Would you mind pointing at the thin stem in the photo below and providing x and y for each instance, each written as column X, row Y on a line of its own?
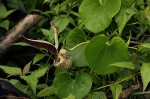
column 141, row 93
column 115, row 82
column 47, row 62
column 135, row 42
column 133, row 48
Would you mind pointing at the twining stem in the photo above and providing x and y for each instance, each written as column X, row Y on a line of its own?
column 56, row 29
column 131, row 76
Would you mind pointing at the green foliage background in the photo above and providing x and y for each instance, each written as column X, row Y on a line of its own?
column 108, row 41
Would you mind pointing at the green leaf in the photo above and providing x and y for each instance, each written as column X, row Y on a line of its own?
column 26, row 68
column 45, row 32
column 61, row 21
column 147, row 13
column 145, row 45
column 19, row 85
column 39, row 73
column 144, row 48
column 7, row 14
column 11, row 70
column 75, row 37
column 100, row 53
column 145, row 74
column 77, row 55
column 79, row 87
column 16, row 4
column 128, row 65
column 32, row 82
column 116, row 90
column 3, row 10
column 46, row 91
column 97, row 95
column 124, row 16
column 97, row 17
column 38, row 57
column 5, row 24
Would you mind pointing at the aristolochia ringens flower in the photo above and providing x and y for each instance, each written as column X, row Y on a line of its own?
column 62, row 58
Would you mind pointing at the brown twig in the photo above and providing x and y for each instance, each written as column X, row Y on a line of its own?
column 129, row 91
column 21, row 28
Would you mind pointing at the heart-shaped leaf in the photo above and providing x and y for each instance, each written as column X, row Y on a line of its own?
column 77, row 55
column 79, row 87
column 97, row 14
column 75, row 37
column 100, row 53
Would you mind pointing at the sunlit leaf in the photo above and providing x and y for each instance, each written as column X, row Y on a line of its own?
column 46, row 91
column 39, row 73
column 116, row 90
column 38, row 57
column 19, row 85
column 129, row 65
column 145, row 74
column 32, row 81
column 11, row 70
